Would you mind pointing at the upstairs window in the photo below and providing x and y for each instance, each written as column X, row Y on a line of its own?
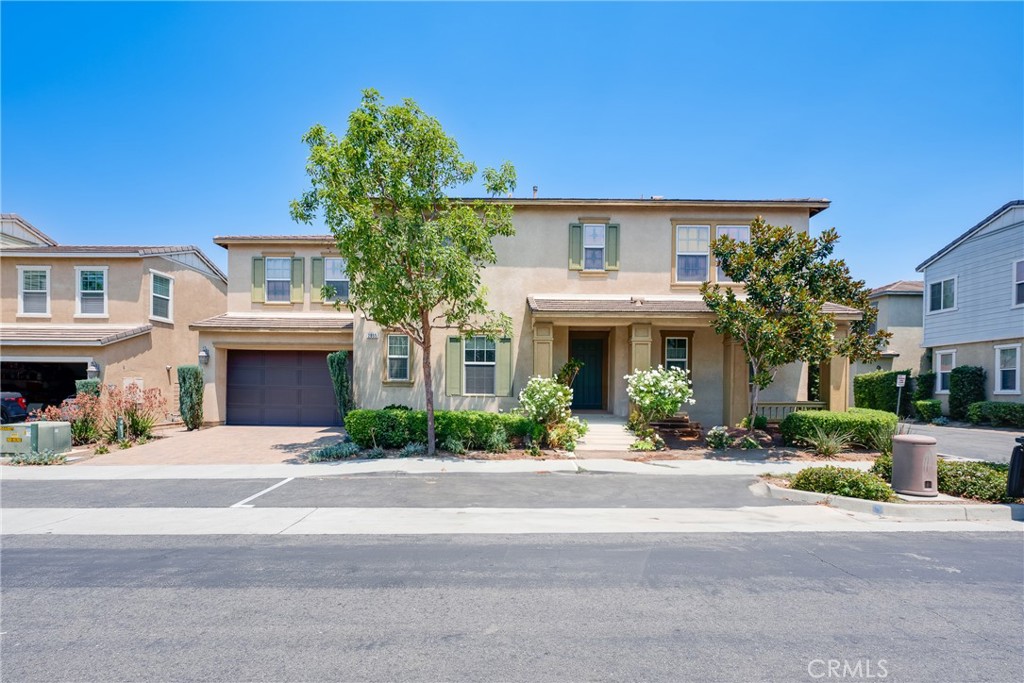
column 481, row 357
column 398, row 358
column 34, row 295
column 160, row 301
column 593, row 246
column 336, row 276
column 692, row 252
column 740, row 233
column 1018, row 283
column 676, row 353
column 279, row 279
column 91, row 295
column 942, row 295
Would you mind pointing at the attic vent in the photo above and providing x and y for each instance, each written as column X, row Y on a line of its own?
column 637, row 300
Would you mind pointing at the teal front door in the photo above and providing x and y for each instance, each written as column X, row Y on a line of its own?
column 587, row 393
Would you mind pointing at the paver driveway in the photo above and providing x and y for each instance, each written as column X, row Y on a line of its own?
column 224, row 445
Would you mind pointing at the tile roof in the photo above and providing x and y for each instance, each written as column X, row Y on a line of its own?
column 226, row 239
column 275, row 323
column 101, row 250
column 899, row 287
column 815, row 205
column 68, row 335
column 639, row 304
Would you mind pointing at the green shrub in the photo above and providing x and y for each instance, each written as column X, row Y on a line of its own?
column 882, row 467
column 566, row 434
column 375, row 453
column 861, row 423
column 928, row 409
column 497, row 441
column 336, row 451
column 996, row 413
column 190, row 395
column 924, row 386
column 659, row 393
column 395, row 427
column 643, row 445
column 412, row 450
column 88, row 386
column 826, row 442
column 977, row 480
column 878, row 391
column 337, row 364
column 39, row 458
column 760, row 422
column 453, row 444
column 718, row 438
column 966, row 386
column 842, row 481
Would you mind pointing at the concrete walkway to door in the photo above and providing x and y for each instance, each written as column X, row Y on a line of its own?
column 606, row 433
column 223, row 445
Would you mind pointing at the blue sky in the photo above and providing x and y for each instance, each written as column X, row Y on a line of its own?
column 170, row 123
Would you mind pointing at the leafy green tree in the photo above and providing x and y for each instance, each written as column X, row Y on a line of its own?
column 414, row 255
column 788, row 277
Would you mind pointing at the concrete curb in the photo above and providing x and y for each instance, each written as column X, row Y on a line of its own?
column 944, row 512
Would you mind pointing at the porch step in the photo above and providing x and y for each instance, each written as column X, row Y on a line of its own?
column 605, row 433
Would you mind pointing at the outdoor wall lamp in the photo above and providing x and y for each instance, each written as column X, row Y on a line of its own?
column 92, row 371
column 204, row 356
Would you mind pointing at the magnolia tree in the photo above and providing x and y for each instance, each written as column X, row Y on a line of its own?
column 659, row 393
column 778, row 315
column 413, row 255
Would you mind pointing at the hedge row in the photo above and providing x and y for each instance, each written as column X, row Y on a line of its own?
column 928, row 410
column 965, row 478
column 394, row 428
column 842, row 481
column 996, row 413
column 863, row 424
column 878, row 390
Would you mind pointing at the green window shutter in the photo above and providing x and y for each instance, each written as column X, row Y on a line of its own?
column 298, row 279
column 611, row 246
column 503, row 368
column 453, row 366
column 259, row 279
column 575, row 246
column 317, row 283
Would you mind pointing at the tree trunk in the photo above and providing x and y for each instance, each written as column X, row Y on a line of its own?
column 754, row 391
column 428, row 383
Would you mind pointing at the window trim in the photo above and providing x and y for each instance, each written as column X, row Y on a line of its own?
column 406, row 381
column 603, row 247
column 1014, row 282
column 998, row 375
column 267, row 279
column 956, row 296
column 493, row 365
column 347, row 279
column 939, row 391
column 665, row 357
column 21, row 291
column 676, row 253
column 153, row 274
column 78, row 291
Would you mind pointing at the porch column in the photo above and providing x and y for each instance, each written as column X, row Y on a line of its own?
column 543, row 348
column 639, row 346
column 735, row 383
column 835, row 379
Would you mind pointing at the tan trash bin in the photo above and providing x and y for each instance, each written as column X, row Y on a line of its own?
column 914, row 465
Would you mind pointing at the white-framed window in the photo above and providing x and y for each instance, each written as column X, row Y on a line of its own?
column 480, row 360
column 677, row 353
column 1018, row 283
column 34, row 291
column 398, row 358
column 279, row 279
column 692, row 252
column 873, row 327
column 945, row 361
column 593, row 246
column 161, row 296
column 1007, row 369
column 336, row 276
column 740, row 233
column 91, row 291
column 942, row 295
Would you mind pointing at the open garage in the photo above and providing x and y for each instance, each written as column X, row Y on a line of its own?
column 41, row 383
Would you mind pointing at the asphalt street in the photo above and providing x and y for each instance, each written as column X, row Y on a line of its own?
column 993, row 445
column 728, row 607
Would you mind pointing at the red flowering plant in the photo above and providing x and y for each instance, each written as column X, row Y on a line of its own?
column 139, row 409
column 84, row 412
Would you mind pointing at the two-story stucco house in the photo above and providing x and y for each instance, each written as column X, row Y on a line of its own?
column 974, row 304
column 119, row 313
column 899, row 313
column 611, row 282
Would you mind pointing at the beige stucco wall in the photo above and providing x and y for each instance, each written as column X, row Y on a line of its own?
column 901, row 315
column 983, row 354
column 535, row 261
column 195, row 296
column 240, row 275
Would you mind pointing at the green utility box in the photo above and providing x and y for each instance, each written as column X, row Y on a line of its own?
column 35, row 437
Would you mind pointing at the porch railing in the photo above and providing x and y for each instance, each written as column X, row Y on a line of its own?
column 776, row 412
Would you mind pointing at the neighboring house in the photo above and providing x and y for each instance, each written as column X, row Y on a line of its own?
column 612, row 282
column 974, row 304
column 900, row 313
column 118, row 313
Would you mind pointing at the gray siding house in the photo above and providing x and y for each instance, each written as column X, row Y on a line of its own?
column 974, row 304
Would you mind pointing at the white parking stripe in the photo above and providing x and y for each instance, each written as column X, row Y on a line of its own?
column 242, row 503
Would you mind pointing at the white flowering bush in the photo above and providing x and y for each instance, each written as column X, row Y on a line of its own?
column 546, row 401
column 658, row 393
column 718, row 438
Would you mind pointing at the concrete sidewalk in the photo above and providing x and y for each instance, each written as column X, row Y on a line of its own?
column 414, row 466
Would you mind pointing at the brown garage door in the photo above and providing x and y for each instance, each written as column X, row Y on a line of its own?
column 280, row 388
